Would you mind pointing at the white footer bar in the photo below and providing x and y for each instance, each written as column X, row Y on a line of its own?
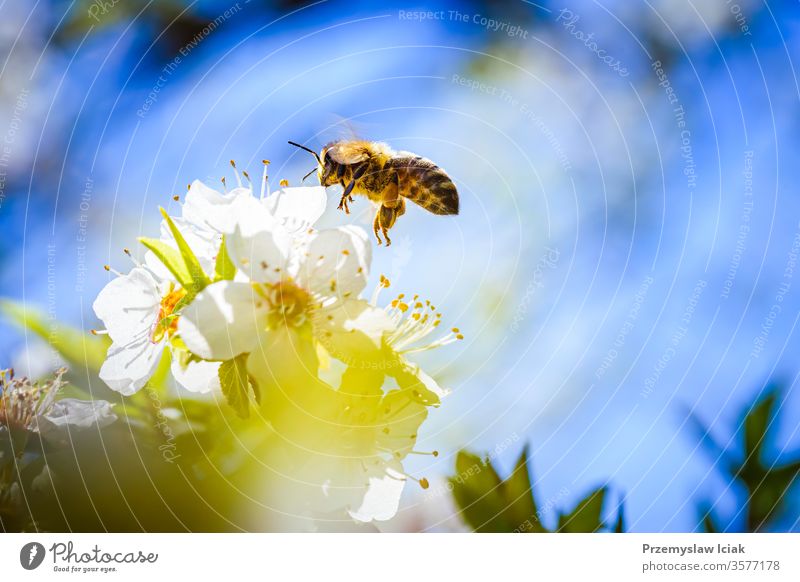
column 407, row 557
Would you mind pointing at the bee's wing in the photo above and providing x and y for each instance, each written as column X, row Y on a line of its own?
column 339, row 128
column 348, row 153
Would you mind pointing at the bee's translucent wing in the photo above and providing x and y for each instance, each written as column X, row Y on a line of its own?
column 348, row 152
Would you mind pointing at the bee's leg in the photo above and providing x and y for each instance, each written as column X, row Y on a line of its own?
column 392, row 206
column 346, row 195
column 387, row 216
column 343, row 203
column 376, row 225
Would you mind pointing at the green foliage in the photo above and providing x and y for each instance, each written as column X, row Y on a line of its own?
column 236, row 384
column 171, row 258
column 765, row 481
column 182, row 263
column 224, row 269
column 490, row 504
column 78, row 348
column 587, row 515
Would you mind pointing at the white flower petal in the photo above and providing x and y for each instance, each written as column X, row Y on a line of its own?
column 199, row 377
column 382, row 497
column 431, row 384
column 297, row 208
column 223, row 321
column 204, row 242
column 337, row 264
column 352, row 330
column 251, row 216
column 207, row 208
column 71, row 412
column 261, row 254
column 410, row 377
column 157, row 267
column 129, row 366
column 129, row 305
column 283, row 359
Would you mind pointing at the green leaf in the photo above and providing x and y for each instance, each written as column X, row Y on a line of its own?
column 587, row 516
column 224, row 269
column 79, row 349
column 477, row 491
column 489, row 504
column 708, row 522
column 767, row 481
column 189, row 258
column 236, row 384
column 519, row 494
column 171, row 259
column 199, row 280
column 756, row 423
column 619, row 527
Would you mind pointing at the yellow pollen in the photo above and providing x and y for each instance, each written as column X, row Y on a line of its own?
column 165, row 323
column 459, row 337
column 289, row 305
column 345, row 252
column 424, row 483
column 284, row 182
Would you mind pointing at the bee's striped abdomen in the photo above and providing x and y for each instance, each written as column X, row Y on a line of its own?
column 426, row 184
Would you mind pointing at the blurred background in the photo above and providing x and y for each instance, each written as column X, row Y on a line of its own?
column 624, row 267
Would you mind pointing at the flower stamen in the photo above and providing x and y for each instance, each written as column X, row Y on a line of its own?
column 265, row 181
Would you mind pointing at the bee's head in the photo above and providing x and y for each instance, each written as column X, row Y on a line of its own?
column 325, row 171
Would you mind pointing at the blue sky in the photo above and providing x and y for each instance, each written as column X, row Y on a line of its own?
column 575, row 162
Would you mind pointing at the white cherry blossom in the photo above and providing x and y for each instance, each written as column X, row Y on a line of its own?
column 138, row 310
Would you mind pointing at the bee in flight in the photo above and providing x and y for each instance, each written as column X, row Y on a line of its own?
column 386, row 177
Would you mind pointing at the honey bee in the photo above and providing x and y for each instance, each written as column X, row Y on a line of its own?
column 386, row 177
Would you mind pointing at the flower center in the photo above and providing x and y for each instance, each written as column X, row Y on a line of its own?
column 288, row 304
column 22, row 401
column 167, row 321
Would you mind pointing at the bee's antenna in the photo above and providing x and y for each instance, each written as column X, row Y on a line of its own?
column 312, row 152
column 307, row 175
